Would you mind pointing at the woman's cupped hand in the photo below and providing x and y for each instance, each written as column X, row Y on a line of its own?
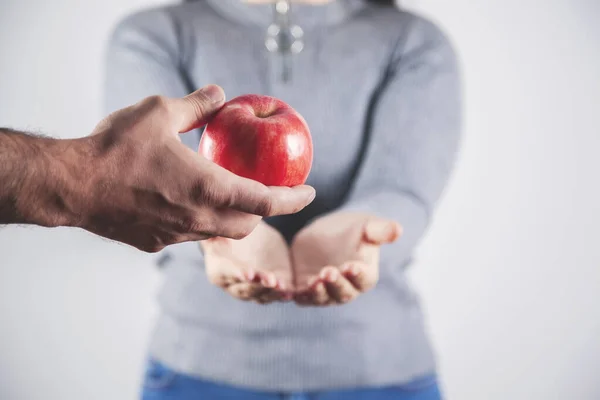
column 333, row 260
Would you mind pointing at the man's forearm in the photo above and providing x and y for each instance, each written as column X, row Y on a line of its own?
column 37, row 177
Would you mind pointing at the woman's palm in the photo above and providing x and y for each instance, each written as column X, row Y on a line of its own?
column 255, row 268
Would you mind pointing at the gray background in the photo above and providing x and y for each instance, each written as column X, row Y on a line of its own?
column 510, row 270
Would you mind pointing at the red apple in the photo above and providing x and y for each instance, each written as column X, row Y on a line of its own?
column 261, row 138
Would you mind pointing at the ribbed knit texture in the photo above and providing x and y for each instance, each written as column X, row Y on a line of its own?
column 380, row 91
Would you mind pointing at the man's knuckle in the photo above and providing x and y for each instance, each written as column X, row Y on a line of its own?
column 253, row 198
column 156, row 101
column 264, row 206
column 206, row 190
column 160, row 106
column 224, row 191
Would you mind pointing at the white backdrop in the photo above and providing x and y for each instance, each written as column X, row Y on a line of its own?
column 509, row 273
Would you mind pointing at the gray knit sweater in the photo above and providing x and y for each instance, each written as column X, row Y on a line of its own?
column 380, row 91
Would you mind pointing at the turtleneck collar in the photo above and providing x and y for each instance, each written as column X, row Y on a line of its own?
column 305, row 15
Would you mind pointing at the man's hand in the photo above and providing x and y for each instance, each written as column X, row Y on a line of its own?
column 336, row 258
column 134, row 181
column 256, row 268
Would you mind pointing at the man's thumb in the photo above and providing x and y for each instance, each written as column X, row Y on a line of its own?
column 197, row 108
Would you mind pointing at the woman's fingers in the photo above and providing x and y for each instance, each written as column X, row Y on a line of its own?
column 242, row 291
column 261, row 287
column 319, row 295
column 271, row 288
column 268, row 279
column 316, row 295
column 338, row 287
column 359, row 275
column 304, row 297
column 331, row 286
column 225, row 276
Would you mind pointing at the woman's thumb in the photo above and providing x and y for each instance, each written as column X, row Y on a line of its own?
column 380, row 231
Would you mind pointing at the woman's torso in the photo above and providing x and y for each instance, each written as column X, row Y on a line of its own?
column 333, row 82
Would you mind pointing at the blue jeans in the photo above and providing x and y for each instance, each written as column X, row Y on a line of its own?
column 162, row 383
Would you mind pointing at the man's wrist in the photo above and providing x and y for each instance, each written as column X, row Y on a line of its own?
column 41, row 180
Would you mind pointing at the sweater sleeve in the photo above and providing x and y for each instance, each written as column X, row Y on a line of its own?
column 414, row 133
column 143, row 59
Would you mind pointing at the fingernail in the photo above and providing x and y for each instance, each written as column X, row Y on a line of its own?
column 312, row 196
column 214, row 93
